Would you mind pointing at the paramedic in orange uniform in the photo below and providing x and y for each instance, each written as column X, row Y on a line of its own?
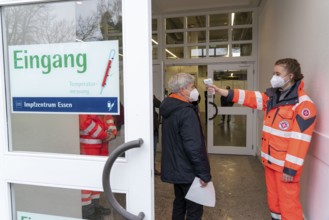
column 95, row 133
column 289, row 121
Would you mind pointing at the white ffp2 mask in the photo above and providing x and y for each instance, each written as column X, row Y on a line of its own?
column 194, row 95
column 277, row 81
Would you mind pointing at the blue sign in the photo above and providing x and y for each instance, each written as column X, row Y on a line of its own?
column 65, row 77
column 66, row 104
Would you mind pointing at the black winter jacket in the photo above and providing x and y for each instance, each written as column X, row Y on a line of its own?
column 184, row 154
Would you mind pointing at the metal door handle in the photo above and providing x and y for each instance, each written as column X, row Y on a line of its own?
column 106, row 179
column 216, row 110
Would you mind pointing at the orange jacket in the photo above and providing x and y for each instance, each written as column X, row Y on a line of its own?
column 288, row 125
column 93, row 131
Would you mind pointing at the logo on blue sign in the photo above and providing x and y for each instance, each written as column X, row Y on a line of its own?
column 110, row 105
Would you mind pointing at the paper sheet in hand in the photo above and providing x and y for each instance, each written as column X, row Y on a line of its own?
column 202, row 195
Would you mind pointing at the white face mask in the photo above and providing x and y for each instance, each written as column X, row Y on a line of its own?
column 278, row 81
column 194, row 95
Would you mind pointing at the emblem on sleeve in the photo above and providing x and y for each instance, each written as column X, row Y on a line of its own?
column 306, row 113
column 284, row 125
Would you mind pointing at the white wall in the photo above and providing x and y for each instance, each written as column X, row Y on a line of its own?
column 300, row 29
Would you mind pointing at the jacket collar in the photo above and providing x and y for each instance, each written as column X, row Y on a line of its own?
column 291, row 97
column 176, row 96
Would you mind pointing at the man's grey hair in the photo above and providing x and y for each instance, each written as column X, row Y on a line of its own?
column 180, row 80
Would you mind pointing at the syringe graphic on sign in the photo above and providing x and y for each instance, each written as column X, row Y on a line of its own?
column 108, row 68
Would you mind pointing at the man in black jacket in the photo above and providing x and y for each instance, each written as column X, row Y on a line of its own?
column 156, row 125
column 184, row 154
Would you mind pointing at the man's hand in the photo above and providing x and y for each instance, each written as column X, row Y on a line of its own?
column 203, row 184
column 109, row 136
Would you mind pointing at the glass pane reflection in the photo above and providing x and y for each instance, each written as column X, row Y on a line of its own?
column 45, row 24
column 196, row 21
column 239, row 34
column 197, row 52
column 218, row 50
column 155, row 53
column 175, row 52
column 241, row 18
column 218, row 35
column 231, row 131
column 154, row 24
column 175, row 38
column 49, row 202
column 218, row 20
column 240, row 50
column 174, row 23
column 196, row 37
column 155, row 39
column 234, row 77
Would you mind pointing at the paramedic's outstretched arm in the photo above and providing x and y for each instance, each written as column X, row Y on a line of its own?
column 222, row 92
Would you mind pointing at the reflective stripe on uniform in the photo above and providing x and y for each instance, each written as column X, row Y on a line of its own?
column 294, row 159
column 259, row 100
column 272, row 159
column 95, row 196
column 287, row 134
column 86, row 197
column 97, row 132
column 301, row 136
column 86, row 202
column 275, row 216
column 90, row 141
column 302, row 99
column 242, row 96
column 85, row 194
column 88, row 129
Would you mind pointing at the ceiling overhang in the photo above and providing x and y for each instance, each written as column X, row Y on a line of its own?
column 169, row 6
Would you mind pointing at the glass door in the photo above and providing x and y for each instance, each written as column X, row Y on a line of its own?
column 62, row 60
column 229, row 125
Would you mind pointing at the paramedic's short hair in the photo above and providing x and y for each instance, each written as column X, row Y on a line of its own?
column 180, row 80
column 292, row 66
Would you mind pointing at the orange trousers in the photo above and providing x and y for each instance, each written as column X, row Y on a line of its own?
column 282, row 197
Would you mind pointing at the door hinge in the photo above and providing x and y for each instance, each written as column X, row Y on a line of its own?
column 252, row 146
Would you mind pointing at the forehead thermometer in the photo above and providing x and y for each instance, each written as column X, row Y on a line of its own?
column 208, row 81
column 107, row 70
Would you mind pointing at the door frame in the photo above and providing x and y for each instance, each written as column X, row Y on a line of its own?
column 134, row 173
column 234, row 110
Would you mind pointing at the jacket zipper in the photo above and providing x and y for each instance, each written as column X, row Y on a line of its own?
column 269, row 148
column 277, row 110
column 269, row 153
